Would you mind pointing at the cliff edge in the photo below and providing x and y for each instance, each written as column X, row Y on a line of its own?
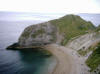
column 55, row 31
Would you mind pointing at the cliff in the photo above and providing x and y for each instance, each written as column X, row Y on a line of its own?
column 55, row 31
column 71, row 26
column 72, row 30
column 39, row 34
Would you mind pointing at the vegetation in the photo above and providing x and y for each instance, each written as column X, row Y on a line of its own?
column 94, row 59
column 39, row 32
column 25, row 34
column 71, row 26
column 84, row 52
column 28, row 30
column 97, row 29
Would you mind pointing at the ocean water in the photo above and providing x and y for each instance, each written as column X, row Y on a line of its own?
column 94, row 18
column 20, row 62
column 27, row 62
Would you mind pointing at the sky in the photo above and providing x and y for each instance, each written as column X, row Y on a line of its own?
column 51, row 6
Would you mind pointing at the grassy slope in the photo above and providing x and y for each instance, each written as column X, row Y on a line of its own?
column 71, row 26
column 94, row 59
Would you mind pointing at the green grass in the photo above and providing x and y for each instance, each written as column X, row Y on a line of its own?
column 94, row 59
column 97, row 29
column 71, row 26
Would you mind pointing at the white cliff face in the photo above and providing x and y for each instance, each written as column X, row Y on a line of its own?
column 39, row 34
column 55, row 31
column 84, row 41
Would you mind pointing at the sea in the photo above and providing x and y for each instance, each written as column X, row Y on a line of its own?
column 12, row 25
column 15, row 61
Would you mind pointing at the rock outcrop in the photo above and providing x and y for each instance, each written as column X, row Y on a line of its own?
column 37, row 35
column 83, row 41
column 54, row 31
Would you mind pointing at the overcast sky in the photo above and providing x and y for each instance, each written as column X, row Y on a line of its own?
column 51, row 6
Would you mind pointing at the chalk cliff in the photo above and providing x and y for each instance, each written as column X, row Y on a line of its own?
column 39, row 34
column 55, row 31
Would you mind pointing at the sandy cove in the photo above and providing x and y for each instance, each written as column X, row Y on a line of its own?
column 68, row 61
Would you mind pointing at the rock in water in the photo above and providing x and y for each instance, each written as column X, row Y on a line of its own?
column 37, row 35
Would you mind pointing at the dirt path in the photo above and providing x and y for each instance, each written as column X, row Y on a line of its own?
column 66, row 63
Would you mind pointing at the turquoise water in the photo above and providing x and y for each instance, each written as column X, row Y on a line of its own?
column 20, row 62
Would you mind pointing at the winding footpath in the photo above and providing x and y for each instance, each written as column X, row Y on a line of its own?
column 67, row 60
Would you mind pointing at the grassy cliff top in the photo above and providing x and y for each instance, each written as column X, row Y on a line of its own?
column 71, row 26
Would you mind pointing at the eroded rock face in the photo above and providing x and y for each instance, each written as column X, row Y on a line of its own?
column 58, row 31
column 39, row 34
column 83, row 41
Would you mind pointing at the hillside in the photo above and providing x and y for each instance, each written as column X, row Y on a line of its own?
column 81, row 34
column 62, row 29
column 94, row 59
column 94, row 18
column 71, row 26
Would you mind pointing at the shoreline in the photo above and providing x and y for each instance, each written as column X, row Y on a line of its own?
column 68, row 60
column 49, row 66
column 64, row 64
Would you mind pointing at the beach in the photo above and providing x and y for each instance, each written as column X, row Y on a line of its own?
column 67, row 61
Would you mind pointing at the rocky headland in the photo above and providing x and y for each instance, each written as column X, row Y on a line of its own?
column 65, row 38
column 58, row 31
